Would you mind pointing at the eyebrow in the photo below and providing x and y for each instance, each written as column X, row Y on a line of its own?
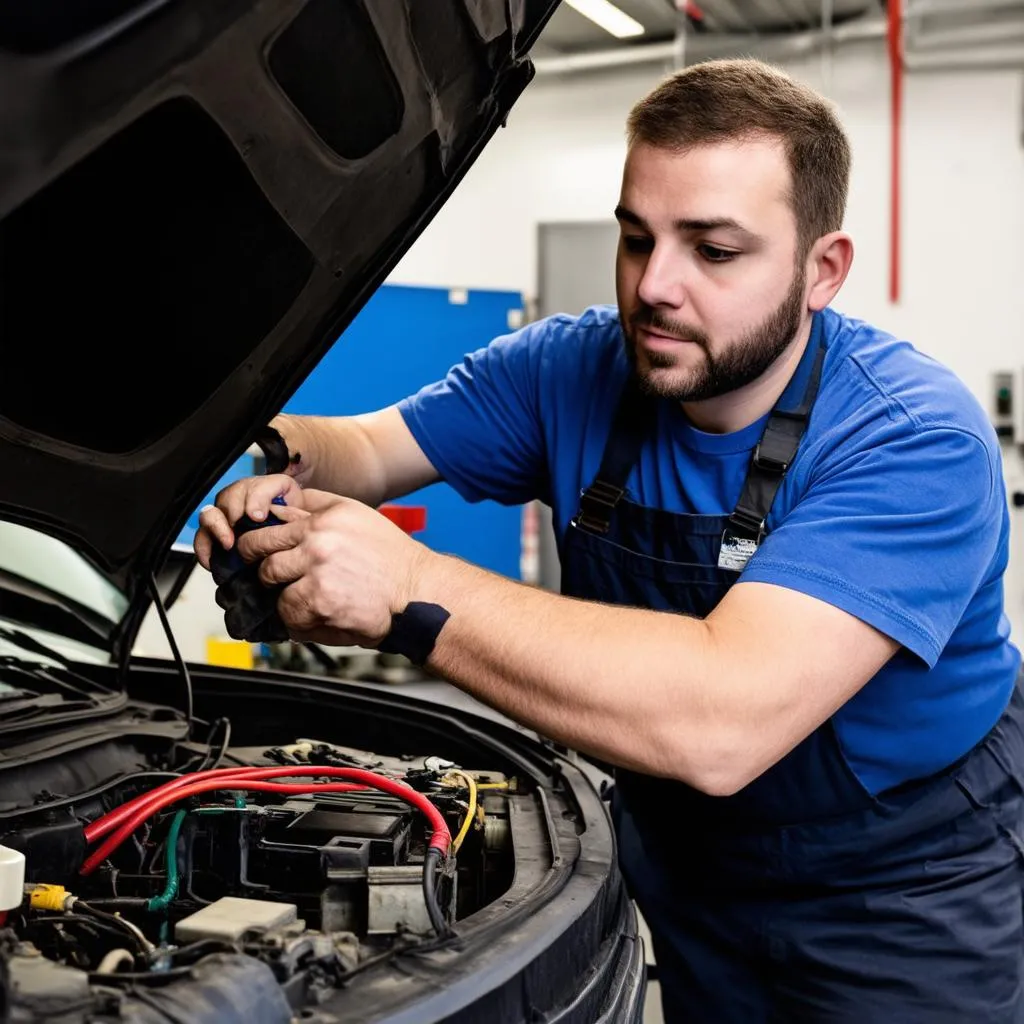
column 692, row 224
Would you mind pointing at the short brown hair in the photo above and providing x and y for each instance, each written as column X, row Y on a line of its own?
column 724, row 100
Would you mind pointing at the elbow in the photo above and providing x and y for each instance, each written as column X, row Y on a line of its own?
column 717, row 764
column 721, row 783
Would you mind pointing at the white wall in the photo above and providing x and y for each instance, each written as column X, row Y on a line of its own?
column 560, row 157
column 194, row 617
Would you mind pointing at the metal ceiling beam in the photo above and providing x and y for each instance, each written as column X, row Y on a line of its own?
column 827, row 27
column 962, row 38
column 974, row 49
column 996, row 58
column 725, row 12
column 706, row 45
column 799, row 19
column 921, row 8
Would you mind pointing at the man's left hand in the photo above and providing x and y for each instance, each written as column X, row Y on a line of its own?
column 346, row 570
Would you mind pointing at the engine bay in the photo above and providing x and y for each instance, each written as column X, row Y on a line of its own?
column 266, row 874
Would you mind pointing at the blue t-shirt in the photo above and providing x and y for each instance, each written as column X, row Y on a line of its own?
column 894, row 508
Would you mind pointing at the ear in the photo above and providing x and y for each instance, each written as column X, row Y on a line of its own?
column 828, row 263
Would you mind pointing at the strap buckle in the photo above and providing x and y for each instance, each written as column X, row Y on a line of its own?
column 748, row 525
column 768, row 462
column 597, row 503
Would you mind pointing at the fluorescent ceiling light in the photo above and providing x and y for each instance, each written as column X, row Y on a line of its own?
column 609, row 17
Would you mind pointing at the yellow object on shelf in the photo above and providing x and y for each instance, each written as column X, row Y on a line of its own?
column 228, row 653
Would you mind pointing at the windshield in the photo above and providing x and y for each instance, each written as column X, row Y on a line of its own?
column 53, row 566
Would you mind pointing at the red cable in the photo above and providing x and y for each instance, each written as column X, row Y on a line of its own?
column 440, row 839
column 105, row 824
column 205, row 786
column 101, row 826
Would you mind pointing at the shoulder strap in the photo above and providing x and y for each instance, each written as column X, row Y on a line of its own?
column 772, row 457
column 632, row 423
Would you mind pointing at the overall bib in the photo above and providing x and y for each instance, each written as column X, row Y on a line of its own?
column 802, row 898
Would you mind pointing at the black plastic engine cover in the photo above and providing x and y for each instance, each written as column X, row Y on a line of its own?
column 225, row 988
column 53, row 851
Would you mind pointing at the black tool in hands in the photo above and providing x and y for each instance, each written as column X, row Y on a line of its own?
column 250, row 607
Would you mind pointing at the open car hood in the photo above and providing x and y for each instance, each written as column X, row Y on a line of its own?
column 195, row 200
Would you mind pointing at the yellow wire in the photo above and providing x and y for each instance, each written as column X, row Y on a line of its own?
column 492, row 785
column 470, row 784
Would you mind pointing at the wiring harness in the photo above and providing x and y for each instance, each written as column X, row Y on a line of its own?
column 114, row 828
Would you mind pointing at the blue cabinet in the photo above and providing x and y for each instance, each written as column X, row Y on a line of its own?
column 406, row 337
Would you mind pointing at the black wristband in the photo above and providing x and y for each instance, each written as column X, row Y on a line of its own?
column 414, row 631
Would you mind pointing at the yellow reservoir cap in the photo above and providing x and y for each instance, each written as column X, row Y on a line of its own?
column 48, row 897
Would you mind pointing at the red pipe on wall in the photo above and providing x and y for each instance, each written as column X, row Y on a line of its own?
column 895, row 40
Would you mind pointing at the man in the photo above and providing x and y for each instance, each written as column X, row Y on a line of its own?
column 782, row 582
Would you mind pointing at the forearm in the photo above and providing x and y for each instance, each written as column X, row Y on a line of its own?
column 712, row 702
column 626, row 685
column 372, row 457
column 334, row 454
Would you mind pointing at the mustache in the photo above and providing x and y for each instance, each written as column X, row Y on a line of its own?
column 652, row 320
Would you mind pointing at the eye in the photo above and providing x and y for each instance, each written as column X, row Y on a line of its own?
column 637, row 243
column 713, row 254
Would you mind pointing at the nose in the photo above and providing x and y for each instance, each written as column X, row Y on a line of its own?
column 661, row 283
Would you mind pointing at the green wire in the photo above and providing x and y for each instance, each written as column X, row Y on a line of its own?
column 162, row 901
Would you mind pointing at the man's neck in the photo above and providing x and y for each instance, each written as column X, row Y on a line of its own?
column 738, row 409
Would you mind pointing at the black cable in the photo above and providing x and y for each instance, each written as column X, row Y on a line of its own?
column 164, row 976
column 113, row 919
column 96, row 925
column 401, row 945
column 179, row 661
column 321, row 656
column 134, row 902
column 430, row 864
column 133, row 977
column 195, row 951
column 226, row 723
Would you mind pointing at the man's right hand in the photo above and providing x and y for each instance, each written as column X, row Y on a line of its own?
column 252, row 496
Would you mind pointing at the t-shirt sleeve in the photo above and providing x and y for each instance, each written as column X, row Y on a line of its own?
column 900, row 533
column 480, row 426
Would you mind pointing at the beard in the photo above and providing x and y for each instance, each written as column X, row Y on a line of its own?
column 740, row 362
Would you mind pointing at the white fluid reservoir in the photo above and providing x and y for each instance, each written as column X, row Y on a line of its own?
column 12, row 878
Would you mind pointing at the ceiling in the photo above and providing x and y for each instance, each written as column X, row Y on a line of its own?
column 569, row 32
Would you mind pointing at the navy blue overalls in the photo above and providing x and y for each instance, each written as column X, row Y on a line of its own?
column 803, row 898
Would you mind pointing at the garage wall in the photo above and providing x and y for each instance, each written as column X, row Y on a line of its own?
column 560, row 157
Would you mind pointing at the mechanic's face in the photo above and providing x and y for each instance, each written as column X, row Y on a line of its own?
column 706, row 277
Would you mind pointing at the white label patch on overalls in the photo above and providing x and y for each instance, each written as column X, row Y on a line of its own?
column 736, row 552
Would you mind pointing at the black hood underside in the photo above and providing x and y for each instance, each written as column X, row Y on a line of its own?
column 196, row 198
